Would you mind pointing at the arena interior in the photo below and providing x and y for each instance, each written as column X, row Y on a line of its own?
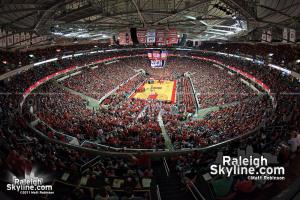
column 140, row 99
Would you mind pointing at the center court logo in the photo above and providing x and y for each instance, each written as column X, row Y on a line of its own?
column 254, row 166
column 31, row 185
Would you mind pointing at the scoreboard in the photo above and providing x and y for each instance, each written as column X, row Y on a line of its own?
column 158, row 58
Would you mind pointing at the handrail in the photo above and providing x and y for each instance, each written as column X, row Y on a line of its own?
column 158, row 193
column 194, row 94
column 166, row 166
column 198, row 192
column 71, row 138
column 118, row 149
column 195, row 197
column 153, row 153
column 87, row 163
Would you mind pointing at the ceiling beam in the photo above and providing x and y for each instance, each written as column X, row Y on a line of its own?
column 148, row 12
column 181, row 11
column 244, row 12
column 127, row 13
column 197, row 20
column 274, row 11
column 4, row 12
column 178, row 4
column 139, row 13
column 49, row 11
column 19, row 18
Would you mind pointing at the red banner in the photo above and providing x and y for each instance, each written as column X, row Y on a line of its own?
column 141, row 36
column 172, row 36
column 160, row 37
column 125, row 38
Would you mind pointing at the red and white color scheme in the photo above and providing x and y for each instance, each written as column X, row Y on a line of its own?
column 141, row 36
column 172, row 36
column 125, row 38
column 156, row 55
column 150, row 36
column 150, row 55
column 160, row 37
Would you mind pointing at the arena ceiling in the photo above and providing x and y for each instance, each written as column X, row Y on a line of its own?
column 100, row 19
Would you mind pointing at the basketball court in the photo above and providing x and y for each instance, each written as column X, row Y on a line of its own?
column 162, row 90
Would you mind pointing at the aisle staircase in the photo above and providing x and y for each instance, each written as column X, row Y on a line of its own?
column 168, row 142
column 170, row 186
column 93, row 103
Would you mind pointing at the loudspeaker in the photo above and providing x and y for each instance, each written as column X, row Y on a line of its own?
column 133, row 36
column 183, row 40
column 115, row 40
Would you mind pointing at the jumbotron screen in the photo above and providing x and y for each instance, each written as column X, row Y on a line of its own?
column 158, row 55
column 158, row 58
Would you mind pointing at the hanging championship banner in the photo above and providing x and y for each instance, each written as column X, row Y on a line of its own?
column 150, row 36
column 27, row 42
column 264, row 36
column 269, row 36
column 285, row 35
column 292, row 35
column 22, row 38
column 160, row 37
column 125, row 38
column 10, row 40
column 128, row 38
column 2, row 38
column 172, row 36
column 141, row 36
column 17, row 39
column 122, row 38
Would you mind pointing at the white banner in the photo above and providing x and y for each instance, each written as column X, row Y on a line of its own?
column 151, row 36
column 151, row 33
column 264, row 36
column 285, row 35
column 10, row 40
column 150, row 39
column 292, row 35
column 16, row 39
column 269, row 36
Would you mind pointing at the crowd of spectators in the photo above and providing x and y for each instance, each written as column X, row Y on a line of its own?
column 122, row 125
column 279, row 136
column 132, row 123
column 22, row 151
column 281, row 54
column 97, row 82
column 206, row 79
column 122, row 121
column 13, row 60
